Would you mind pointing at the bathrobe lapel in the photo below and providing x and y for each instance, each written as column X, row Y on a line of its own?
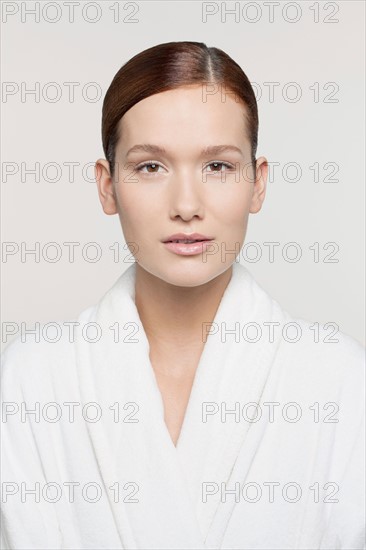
column 131, row 442
column 230, row 371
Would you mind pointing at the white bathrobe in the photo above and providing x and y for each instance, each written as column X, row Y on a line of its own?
column 270, row 454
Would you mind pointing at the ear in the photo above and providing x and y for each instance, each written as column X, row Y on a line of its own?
column 105, row 186
column 260, row 184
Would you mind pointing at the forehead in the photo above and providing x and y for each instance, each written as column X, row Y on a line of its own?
column 185, row 117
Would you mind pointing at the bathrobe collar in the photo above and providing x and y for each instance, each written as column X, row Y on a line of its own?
column 136, row 451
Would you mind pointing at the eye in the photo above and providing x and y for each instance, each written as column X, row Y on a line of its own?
column 217, row 166
column 152, row 167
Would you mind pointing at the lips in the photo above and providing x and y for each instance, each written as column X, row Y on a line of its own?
column 185, row 238
column 187, row 241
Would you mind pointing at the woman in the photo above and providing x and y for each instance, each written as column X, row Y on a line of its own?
column 189, row 409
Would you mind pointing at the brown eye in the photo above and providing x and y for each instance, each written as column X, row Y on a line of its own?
column 153, row 166
column 149, row 168
column 219, row 166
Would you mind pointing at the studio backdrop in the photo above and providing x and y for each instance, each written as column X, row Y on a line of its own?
column 305, row 60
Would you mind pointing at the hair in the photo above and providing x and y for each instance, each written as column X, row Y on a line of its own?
column 169, row 66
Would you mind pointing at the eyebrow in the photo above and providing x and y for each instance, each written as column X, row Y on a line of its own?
column 207, row 151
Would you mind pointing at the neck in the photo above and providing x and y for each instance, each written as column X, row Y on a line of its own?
column 173, row 314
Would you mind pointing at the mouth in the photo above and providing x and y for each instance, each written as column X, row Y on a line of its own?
column 187, row 241
column 193, row 245
column 184, row 238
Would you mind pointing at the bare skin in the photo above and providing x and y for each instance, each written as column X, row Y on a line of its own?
column 172, row 318
column 173, row 187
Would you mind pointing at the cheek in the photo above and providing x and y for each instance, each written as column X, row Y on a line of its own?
column 233, row 207
column 137, row 213
column 137, row 199
column 131, row 203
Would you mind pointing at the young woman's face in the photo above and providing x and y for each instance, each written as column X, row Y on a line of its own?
column 169, row 179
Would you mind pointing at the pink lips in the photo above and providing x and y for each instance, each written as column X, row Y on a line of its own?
column 186, row 236
column 199, row 245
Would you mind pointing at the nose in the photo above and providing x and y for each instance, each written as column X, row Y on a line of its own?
column 185, row 196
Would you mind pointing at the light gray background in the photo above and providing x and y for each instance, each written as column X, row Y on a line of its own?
column 305, row 132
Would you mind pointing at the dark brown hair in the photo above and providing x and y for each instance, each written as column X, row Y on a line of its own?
column 168, row 66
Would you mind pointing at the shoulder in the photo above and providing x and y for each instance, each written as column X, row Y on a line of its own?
column 309, row 345
column 41, row 355
column 325, row 346
column 323, row 363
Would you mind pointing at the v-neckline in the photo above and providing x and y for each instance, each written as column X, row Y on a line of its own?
column 187, row 408
column 201, row 361
column 204, row 450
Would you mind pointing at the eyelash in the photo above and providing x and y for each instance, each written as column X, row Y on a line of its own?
column 150, row 162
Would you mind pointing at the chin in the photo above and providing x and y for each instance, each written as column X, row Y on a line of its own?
column 187, row 273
